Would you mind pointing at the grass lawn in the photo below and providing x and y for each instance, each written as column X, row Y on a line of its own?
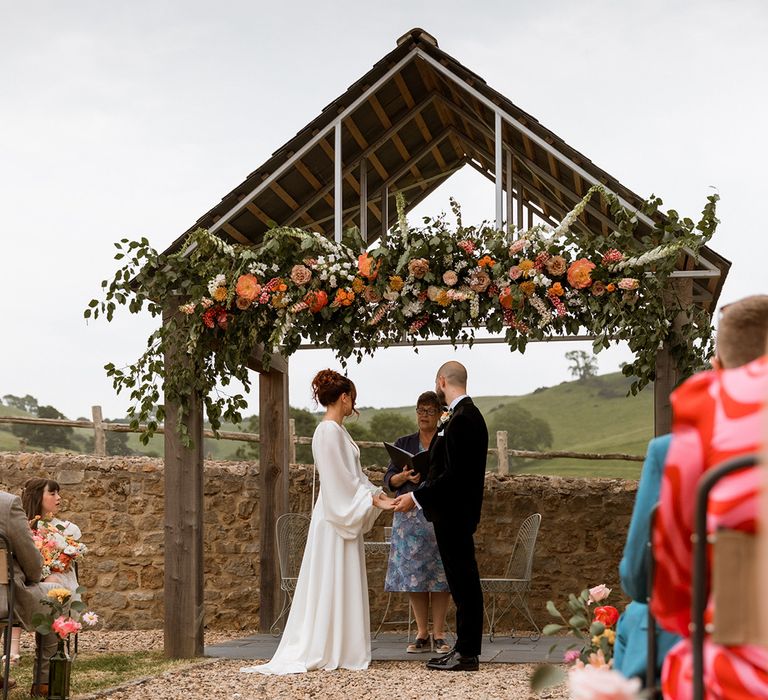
column 92, row 672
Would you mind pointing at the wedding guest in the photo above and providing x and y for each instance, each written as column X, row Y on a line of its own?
column 717, row 415
column 415, row 566
column 630, row 653
column 452, row 499
column 29, row 591
column 329, row 623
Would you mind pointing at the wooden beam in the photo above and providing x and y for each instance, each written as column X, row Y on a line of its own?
column 259, row 214
column 273, row 487
column 183, row 590
column 386, row 122
column 309, row 176
column 232, row 232
column 277, row 363
column 363, row 143
column 426, row 134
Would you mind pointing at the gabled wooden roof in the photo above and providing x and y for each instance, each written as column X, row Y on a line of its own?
column 414, row 119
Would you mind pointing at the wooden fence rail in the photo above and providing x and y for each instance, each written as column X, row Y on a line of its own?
column 501, row 451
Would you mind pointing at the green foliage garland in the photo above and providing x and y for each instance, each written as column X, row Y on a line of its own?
column 435, row 280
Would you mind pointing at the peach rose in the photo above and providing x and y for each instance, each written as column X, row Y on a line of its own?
column 598, row 288
column 418, row 267
column 479, row 280
column 555, row 265
column 580, row 273
column 371, row 295
column 242, row 303
column 450, row 278
column 247, row 287
column 515, row 272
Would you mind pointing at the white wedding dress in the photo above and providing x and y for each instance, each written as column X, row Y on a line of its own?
column 329, row 624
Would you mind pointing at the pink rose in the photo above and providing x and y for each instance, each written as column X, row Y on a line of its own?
column 515, row 272
column 629, row 283
column 300, row 275
column 518, row 246
column 601, row 683
column 555, row 265
column 571, row 655
column 598, row 593
column 64, row 626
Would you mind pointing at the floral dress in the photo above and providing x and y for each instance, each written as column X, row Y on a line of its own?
column 414, row 561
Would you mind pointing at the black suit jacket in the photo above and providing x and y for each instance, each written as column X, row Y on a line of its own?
column 453, row 492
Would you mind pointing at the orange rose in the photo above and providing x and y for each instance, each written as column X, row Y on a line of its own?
column 247, row 287
column 343, row 297
column 610, row 287
column 505, row 298
column 556, row 290
column 486, row 261
column 316, row 300
column 366, row 268
column 580, row 273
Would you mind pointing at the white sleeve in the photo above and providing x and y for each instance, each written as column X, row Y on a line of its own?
column 347, row 494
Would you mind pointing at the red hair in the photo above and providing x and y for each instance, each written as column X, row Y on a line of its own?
column 328, row 386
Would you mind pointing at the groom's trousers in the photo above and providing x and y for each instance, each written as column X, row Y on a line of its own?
column 457, row 550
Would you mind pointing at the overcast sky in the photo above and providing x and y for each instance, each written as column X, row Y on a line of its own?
column 132, row 119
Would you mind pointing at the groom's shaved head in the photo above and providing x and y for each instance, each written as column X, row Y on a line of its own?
column 454, row 373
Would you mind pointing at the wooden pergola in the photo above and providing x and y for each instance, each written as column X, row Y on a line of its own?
column 413, row 120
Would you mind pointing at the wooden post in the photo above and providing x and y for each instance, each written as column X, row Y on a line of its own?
column 273, row 486
column 183, row 580
column 99, row 435
column 501, row 447
column 667, row 376
column 291, row 441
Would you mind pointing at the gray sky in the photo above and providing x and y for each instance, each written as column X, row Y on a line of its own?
column 132, row 119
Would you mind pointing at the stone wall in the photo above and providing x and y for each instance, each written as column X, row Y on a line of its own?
column 118, row 503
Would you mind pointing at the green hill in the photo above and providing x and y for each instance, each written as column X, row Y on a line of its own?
column 593, row 415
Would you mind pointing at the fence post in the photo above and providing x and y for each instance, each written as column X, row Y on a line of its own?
column 99, row 434
column 501, row 451
column 291, row 441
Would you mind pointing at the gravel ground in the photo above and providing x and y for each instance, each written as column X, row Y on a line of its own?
column 385, row 680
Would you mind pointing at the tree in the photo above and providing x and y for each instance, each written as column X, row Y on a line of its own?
column 390, row 425
column 582, row 364
column 27, row 403
column 524, row 430
column 306, row 422
column 45, row 436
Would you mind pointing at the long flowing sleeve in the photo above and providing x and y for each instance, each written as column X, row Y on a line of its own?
column 347, row 494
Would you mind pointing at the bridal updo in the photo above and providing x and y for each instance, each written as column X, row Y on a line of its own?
column 328, row 386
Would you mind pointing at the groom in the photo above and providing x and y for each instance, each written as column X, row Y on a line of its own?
column 451, row 499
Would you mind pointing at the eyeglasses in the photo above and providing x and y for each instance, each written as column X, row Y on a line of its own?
column 426, row 411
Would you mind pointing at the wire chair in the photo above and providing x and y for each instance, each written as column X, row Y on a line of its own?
column 516, row 582
column 701, row 565
column 291, row 530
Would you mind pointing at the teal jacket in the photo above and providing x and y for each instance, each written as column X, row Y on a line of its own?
column 631, row 649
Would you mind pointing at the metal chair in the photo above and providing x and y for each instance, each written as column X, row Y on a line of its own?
column 6, row 580
column 291, row 530
column 700, row 583
column 516, row 581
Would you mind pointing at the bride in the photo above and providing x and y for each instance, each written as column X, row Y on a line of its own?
column 329, row 625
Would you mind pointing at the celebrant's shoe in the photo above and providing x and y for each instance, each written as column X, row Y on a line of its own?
column 419, row 646
column 441, row 646
column 455, row 662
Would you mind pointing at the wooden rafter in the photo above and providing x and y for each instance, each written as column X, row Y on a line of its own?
column 363, row 143
column 309, row 176
column 426, row 134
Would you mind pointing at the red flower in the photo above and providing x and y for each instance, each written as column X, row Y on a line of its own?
column 607, row 614
column 316, row 300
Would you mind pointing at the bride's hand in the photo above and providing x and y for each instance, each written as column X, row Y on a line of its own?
column 383, row 502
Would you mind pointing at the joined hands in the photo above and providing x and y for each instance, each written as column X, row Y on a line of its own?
column 380, row 500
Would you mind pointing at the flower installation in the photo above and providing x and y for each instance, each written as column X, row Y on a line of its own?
column 590, row 674
column 435, row 280
column 58, row 549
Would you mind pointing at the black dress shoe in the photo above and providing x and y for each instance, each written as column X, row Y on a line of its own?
column 455, row 662
column 442, row 657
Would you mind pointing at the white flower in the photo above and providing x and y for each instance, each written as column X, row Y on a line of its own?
column 320, row 259
column 90, row 618
column 215, row 283
column 412, row 308
column 391, row 295
column 541, row 280
column 332, row 281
